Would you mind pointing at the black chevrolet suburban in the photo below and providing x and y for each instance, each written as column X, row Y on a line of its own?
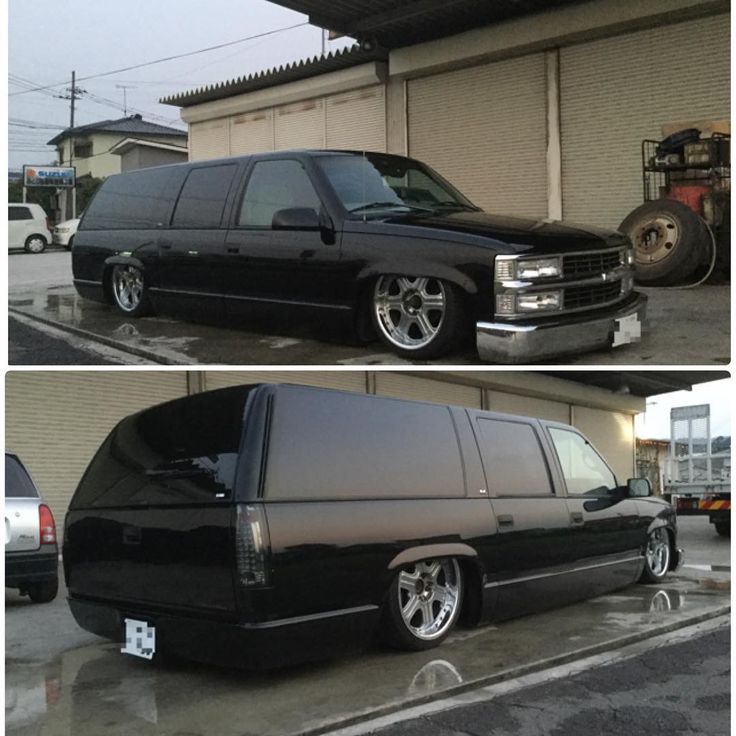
column 379, row 242
column 261, row 525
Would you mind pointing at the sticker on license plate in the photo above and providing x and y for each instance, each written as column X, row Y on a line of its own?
column 140, row 639
column 626, row 330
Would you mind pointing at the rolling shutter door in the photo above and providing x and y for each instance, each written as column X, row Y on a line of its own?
column 56, row 421
column 300, row 125
column 618, row 91
column 426, row 389
column 251, row 133
column 210, row 139
column 484, row 129
column 356, row 120
column 555, row 411
column 345, row 380
column 612, row 433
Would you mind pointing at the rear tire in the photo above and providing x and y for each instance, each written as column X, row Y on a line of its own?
column 670, row 242
column 129, row 290
column 423, row 604
column 723, row 528
column 43, row 592
column 35, row 244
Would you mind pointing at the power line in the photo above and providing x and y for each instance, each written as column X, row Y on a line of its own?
column 167, row 58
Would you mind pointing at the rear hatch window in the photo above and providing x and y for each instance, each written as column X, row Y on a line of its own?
column 17, row 481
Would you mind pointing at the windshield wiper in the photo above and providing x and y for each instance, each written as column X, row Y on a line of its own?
column 388, row 205
column 459, row 205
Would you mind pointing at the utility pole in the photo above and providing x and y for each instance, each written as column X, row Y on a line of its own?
column 74, row 92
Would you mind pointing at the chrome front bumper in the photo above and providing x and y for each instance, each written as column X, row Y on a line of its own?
column 505, row 342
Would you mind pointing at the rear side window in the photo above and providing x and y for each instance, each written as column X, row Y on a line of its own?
column 513, row 458
column 273, row 186
column 19, row 213
column 137, row 200
column 326, row 445
column 202, row 200
column 18, row 483
column 182, row 452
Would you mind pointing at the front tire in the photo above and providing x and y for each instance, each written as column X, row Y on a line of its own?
column 43, row 592
column 417, row 317
column 723, row 528
column 129, row 290
column 423, row 604
column 35, row 244
column 657, row 556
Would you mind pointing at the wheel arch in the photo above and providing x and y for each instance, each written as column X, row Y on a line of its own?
column 368, row 274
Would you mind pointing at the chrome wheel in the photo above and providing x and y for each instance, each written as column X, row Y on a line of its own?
column 127, row 287
column 429, row 597
column 409, row 310
column 658, row 553
column 35, row 244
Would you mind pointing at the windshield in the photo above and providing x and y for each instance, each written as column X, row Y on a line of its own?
column 374, row 184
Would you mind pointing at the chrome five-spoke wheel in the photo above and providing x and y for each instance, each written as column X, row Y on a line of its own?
column 128, row 288
column 657, row 556
column 425, row 603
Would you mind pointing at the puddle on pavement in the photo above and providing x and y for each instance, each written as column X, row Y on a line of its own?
column 95, row 689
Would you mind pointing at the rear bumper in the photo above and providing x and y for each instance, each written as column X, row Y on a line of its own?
column 248, row 646
column 503, row 342
column 22, row 568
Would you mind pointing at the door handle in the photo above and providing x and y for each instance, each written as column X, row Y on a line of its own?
column 165, row 246
column 505, row 520
column 233, row 250
column 576, row 517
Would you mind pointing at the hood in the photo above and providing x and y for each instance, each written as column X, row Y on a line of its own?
column 521, row 234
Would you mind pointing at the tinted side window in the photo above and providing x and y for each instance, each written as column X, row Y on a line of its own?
column 135, row 200
column 202, row 200
column 513, row 458
column 272, row 186
column 330, row 445
column 17, row 482
column 19, row 213
column 182, row 452
column 585, row 472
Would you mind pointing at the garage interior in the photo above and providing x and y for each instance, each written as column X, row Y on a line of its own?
column 56, row 420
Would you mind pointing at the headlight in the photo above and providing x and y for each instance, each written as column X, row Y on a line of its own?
column 511, row 269
column 62, row 229
column 541, row 301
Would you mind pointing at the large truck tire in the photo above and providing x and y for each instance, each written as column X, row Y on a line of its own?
column 670, row 242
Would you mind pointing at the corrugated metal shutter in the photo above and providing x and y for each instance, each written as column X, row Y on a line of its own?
column 612, row 433
column 343, row 379
column 618, row 91
column 55, row 421
column 210, row 139
column 484, row 129
column 300, row 125
column 357, row 119
column 251, row 133
column 527, row 406
column 426, row 389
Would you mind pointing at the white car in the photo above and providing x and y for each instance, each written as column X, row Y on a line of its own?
column 65, row 231
column 28, row 227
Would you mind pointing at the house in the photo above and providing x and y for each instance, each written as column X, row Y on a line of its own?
column 535, row 109
column 138, row 153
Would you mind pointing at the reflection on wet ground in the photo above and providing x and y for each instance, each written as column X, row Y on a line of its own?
column 94, row 689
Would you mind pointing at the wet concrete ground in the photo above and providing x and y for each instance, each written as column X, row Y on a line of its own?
column 685, row 327
column 60, row 680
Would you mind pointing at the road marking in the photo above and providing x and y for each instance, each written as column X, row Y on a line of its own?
column 97, row 349
column 710, row 568
column 490, row 692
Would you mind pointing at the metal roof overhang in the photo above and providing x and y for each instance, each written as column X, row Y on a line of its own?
column 394, row 23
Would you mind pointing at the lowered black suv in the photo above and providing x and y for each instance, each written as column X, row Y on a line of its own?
column 378, row 239
column 260, row 525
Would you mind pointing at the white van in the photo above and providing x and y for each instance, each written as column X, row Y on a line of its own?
column 28, row 227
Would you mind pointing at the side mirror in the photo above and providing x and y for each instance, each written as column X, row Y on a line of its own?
column 638, row 487
column 295, row 218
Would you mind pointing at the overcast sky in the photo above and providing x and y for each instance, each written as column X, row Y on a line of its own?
column 655, row 423
column 48, row 39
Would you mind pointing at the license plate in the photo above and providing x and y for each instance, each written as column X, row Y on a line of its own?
column 626, row 330
column 140, row 639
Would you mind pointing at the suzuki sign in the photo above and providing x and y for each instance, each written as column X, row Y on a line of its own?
column 48, row 176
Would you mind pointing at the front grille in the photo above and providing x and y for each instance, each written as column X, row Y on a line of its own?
column 577, row 297
column 587, row 264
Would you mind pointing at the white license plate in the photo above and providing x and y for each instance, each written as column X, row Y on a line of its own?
column 140, row 639
column 626, row 330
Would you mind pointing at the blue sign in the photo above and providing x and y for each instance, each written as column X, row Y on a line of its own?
column 49, row 176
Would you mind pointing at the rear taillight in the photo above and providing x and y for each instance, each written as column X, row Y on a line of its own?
column 46, row 522
column 252, row 546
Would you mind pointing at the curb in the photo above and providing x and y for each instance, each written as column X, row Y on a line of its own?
column 510, row 674
column 93, row 337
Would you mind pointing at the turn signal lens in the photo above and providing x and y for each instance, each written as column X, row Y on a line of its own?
column 46, row 524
